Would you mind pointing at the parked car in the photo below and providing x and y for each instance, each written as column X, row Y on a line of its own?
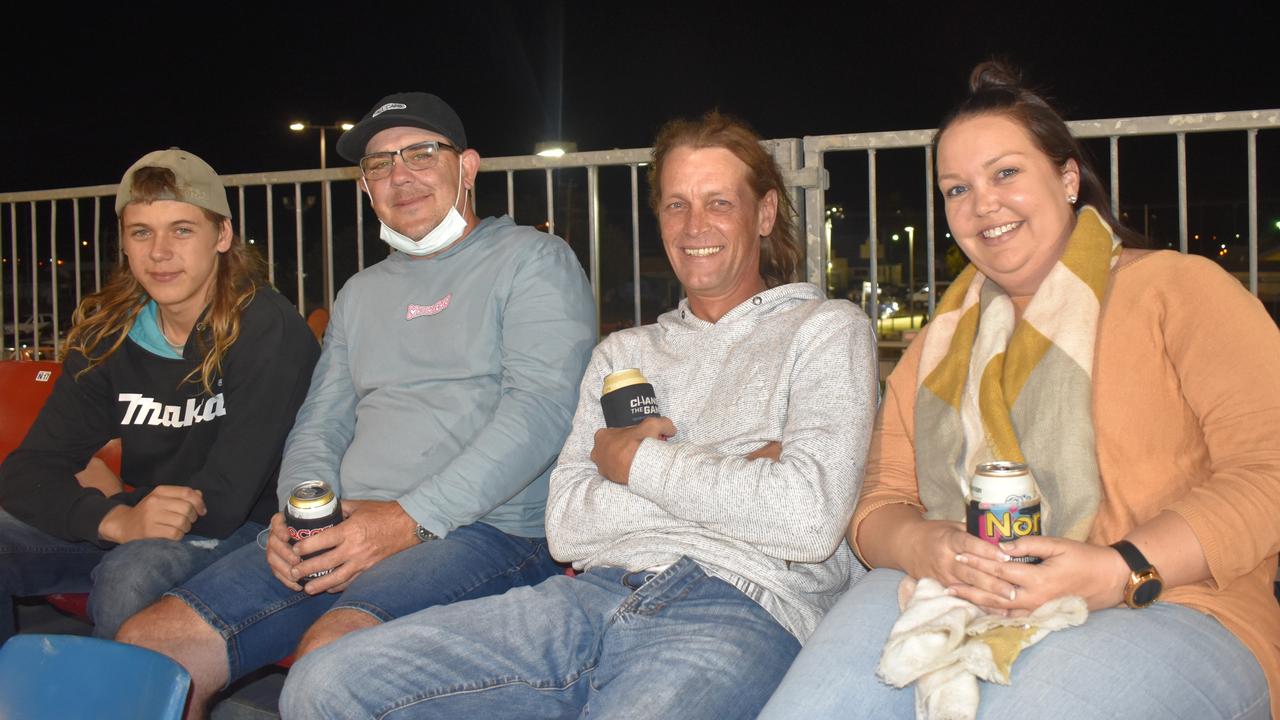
column 922, row 295
column 42, row 321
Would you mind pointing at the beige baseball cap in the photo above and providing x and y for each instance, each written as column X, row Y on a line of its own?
column 198, row 183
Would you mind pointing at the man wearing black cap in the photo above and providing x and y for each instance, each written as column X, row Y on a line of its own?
column 444, row 391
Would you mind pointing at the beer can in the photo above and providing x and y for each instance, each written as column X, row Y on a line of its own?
column 627, row 398
column 1004, row 504
column 313, row 508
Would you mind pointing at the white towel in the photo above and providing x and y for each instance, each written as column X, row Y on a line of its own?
column 945, row 645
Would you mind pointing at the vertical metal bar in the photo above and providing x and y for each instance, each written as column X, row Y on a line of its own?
column 359, row 228
column 930, row 239
column 1252, row 136
column 511, row 194
column 816, row 259
column 1182, row 192
column 635, row 241
column 328, row 243
column 789, row 154
column 15, row 289
column 75, row 220
column 97, row 243
column 297, row 213
column 593, row 235
column 240, row 207
column 551, row 207
column 1115, row 175
column 271, row 237
column 873, row 266
column 35, row 281
column 53, row 271
column 13, row 240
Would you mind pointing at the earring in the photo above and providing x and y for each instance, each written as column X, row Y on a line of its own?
column 1072, row 199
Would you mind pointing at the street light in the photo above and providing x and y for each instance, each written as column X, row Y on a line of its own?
column 299, row 126
column 326, row 251
column 911, row 269
column 555, row 148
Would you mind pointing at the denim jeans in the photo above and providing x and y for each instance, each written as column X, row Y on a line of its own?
column 120, row 581
column 608, row 643
column 1164, row 661
column 261, row 620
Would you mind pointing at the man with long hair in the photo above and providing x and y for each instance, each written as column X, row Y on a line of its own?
column 708, row 541
column 444, row 391
column 198, row 368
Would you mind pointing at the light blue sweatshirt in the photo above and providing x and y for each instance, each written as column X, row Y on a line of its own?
column 449, row 383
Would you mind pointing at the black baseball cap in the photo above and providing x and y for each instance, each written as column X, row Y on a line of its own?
column 413, row 109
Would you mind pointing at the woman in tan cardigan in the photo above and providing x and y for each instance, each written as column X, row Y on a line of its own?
column 1143, row 391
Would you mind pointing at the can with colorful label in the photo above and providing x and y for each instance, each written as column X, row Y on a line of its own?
column 1004, row 504
column 313, row 508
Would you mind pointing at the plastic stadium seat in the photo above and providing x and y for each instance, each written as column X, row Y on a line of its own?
column 66, row 676
column 24, row 388
column 318, row 320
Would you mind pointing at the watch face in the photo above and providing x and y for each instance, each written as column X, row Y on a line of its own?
column 1147, row 592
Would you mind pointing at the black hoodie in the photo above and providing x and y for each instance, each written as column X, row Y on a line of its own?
column 227, row 445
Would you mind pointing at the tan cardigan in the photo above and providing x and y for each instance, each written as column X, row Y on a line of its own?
column 1186, row 410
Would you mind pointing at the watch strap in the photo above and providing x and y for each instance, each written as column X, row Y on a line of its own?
column 1133, row 557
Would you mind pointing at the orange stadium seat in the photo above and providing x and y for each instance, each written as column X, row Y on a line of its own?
column 24, row 388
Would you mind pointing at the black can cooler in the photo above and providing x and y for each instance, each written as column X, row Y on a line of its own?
column 627, row 398
column 313, row 508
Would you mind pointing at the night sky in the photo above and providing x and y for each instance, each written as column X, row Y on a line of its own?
column 87, row 91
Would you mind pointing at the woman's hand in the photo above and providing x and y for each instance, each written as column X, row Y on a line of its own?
column 897, row 536
column 964, row 564
column 1095, row 572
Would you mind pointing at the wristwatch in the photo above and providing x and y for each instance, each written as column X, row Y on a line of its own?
column 425, row 535
column 1145, row 583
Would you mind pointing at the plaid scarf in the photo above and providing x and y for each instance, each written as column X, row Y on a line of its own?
column 994, row 388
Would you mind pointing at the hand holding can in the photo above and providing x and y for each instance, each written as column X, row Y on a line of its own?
column 627, row 398
column 313, row 508
column 1004, row 504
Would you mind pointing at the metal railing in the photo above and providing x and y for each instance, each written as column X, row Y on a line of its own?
column 817, row 148
column 70, row 226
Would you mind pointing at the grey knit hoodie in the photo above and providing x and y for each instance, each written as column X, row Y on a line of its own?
column 785, row 365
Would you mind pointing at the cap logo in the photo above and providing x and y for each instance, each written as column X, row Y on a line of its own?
column 388, row 106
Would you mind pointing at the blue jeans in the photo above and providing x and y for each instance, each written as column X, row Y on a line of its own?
column 1164, row 661
column 608, row 643
column 120, row 581
column 262, row 621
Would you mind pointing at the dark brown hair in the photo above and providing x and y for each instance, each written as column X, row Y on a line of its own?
column 780, row 252
column 996, row 89
column 103, row 320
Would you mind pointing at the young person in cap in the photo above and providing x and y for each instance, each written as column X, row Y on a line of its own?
column 198, row 368
column 444, row 391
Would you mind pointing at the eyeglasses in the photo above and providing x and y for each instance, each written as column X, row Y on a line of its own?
column 419, row 156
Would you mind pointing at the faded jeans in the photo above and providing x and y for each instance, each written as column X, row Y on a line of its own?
column 608, row 643
column 120, row 581
column 260, row 620
column 1164, row 661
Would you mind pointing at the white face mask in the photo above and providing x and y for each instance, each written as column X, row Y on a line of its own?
column 441, row 236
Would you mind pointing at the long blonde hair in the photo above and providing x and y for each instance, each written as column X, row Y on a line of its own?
column 104, row 319
column 780, row 251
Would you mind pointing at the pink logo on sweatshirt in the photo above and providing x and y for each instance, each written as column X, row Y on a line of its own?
column 416, row 311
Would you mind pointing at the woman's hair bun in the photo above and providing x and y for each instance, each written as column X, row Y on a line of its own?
column 994, row 75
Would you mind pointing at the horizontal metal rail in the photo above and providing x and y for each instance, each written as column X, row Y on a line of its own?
column 67, row 232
